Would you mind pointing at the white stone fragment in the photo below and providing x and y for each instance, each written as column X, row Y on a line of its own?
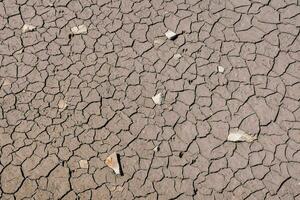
column 28, row 28
column 62, row 105
column 81, row 29
column 20, row 51
column 238, row 135
column 156, row 149
column 221, row 69
column 177, row 56
column 157, row 99
column 113, row 163
column 170, row 35
column 84, row 164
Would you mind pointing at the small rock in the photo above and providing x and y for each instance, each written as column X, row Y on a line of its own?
column 177, row 56
column 62, row 105
column 221, row 69
column 156, row 149
column 157, row 99
column 81, row 29
column 238, row 135
column 113, row 163
column 20, row 51
column 28, row 28
column 171, row 35
column 84, row 164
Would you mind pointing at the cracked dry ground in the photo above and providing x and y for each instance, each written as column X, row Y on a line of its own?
column 68, row 98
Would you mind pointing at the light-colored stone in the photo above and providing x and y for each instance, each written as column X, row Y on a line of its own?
column 81, row 29
column 170, row 35
column 20, row 51
column 238, row 135
column 28, row 28
column 113, row 163
column 156, row 149
column 157, row 99
column 177, row 56
column 62, row 104
column 221, row 69
column 83, row 164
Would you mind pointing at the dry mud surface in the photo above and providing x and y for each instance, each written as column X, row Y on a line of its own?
column 68, row 101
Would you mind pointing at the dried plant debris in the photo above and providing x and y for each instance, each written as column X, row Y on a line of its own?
column 112, row 162
column 171, row 35
column 81, row 29
column 28, row 28
column 62, row 104
column 221, row 69
column 157, row 99
column 83, row 164
column 238, row 135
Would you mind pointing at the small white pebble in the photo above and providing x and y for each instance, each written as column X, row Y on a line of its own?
column 177, row 56
column 157, row 99
column 171, row 35
column 62, row 105
column 28, row 28
column 81, row 29
column 221, row 69
column 84, row 164
column 20, row 51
